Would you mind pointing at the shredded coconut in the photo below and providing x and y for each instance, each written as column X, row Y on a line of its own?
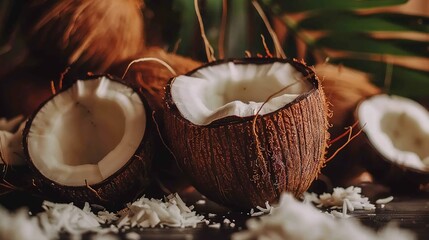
column 350, row 198
column 172, row 212
column 292, row 219
column 132, row 236
column 67, row 217
column 214, row 225
column 384, row 200
column 261, row 210
column 19, row 225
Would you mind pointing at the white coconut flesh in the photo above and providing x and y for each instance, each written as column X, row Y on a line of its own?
column 398, row 128
column 87, row 132
column 230, row 89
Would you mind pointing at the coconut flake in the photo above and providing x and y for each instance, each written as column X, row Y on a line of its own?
column 291, row 219
column 67, row 217
column 349, row 198
column 384, row 200
column 172, row 212
column 19, row 225
column 231, row 89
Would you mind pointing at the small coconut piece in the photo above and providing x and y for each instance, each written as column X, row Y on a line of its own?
column 397, row 131
column 91, row 143
column 89, row 34
column 232, row 155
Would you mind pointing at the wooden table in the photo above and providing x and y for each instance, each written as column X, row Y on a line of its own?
column 410, row 211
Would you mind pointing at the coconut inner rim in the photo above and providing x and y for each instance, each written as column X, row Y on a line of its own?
column 230, row 89
column 398, row 128
column 87, row 132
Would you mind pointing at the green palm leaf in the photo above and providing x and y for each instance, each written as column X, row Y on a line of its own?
column 348, row 21
column 281, row 6
column 404, row 81
column 365, row 44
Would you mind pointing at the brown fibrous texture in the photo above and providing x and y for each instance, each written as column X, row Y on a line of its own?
column 86, row 33
column 344, row 88
column 224, row 163
column 151, row 77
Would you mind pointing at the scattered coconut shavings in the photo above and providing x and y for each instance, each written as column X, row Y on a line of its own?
column 384, row 200
column 261, row 210
column 107, row 217
column 292, row 219
column 172, row 212
column 341, row 198
column 214, row 225
column 69, row 218
column 19, row 225
column 132, row 236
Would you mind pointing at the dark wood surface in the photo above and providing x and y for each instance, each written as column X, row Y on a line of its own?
column 409, row 211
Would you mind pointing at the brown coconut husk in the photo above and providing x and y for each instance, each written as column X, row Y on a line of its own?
column 89, row 34
column 344, row 88
column 242, row 162
column 151, row 77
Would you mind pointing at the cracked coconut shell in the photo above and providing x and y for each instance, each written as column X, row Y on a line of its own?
column 235, row 158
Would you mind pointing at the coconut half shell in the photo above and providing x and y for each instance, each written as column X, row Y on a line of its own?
column 223, row 156
column 91, row 143
column 397, row 139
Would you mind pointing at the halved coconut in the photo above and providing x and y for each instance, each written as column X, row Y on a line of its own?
column 397, row 129
column 91, row 142
column 210, row 117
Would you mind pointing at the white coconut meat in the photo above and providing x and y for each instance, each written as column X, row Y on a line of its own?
column 87, row 132
column 231, row 89
column 398, row 128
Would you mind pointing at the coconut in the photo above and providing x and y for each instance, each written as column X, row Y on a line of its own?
column 344, row 88
column 397, row 135
column 246, row 130
column 89, row 34
column 91, row 142
column 151, row 77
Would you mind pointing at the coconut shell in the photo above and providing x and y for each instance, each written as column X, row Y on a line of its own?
column 91, row 35
column 222, row 161
column 151, row 78
column 398, row 177
column 344, row 88
column 114, row 192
